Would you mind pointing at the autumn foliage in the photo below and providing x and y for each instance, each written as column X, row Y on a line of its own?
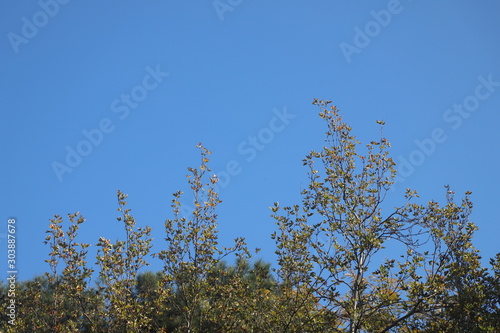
column 346, row 261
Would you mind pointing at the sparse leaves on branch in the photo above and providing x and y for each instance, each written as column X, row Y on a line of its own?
column 350, row 258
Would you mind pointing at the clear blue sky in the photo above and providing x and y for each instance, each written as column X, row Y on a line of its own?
column 157, row 77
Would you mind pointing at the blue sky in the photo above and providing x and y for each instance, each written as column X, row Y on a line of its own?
column 135, row 85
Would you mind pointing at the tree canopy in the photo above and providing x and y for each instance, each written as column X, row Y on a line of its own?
column 347, row 261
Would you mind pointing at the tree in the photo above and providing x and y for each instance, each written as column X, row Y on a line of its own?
column 246, row 297
column 493, row 287
column 34, row 301
column 60, row 300
column 69, row 309
column 348, row 261
column 338, row 244
column 192, row 251
column 464, row 292
column 119, row 264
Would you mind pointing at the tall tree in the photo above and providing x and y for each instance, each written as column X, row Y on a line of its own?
column 348, row 261
column 192, row 250
column 339, row 244
column 69, row 309
column 119, row 264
